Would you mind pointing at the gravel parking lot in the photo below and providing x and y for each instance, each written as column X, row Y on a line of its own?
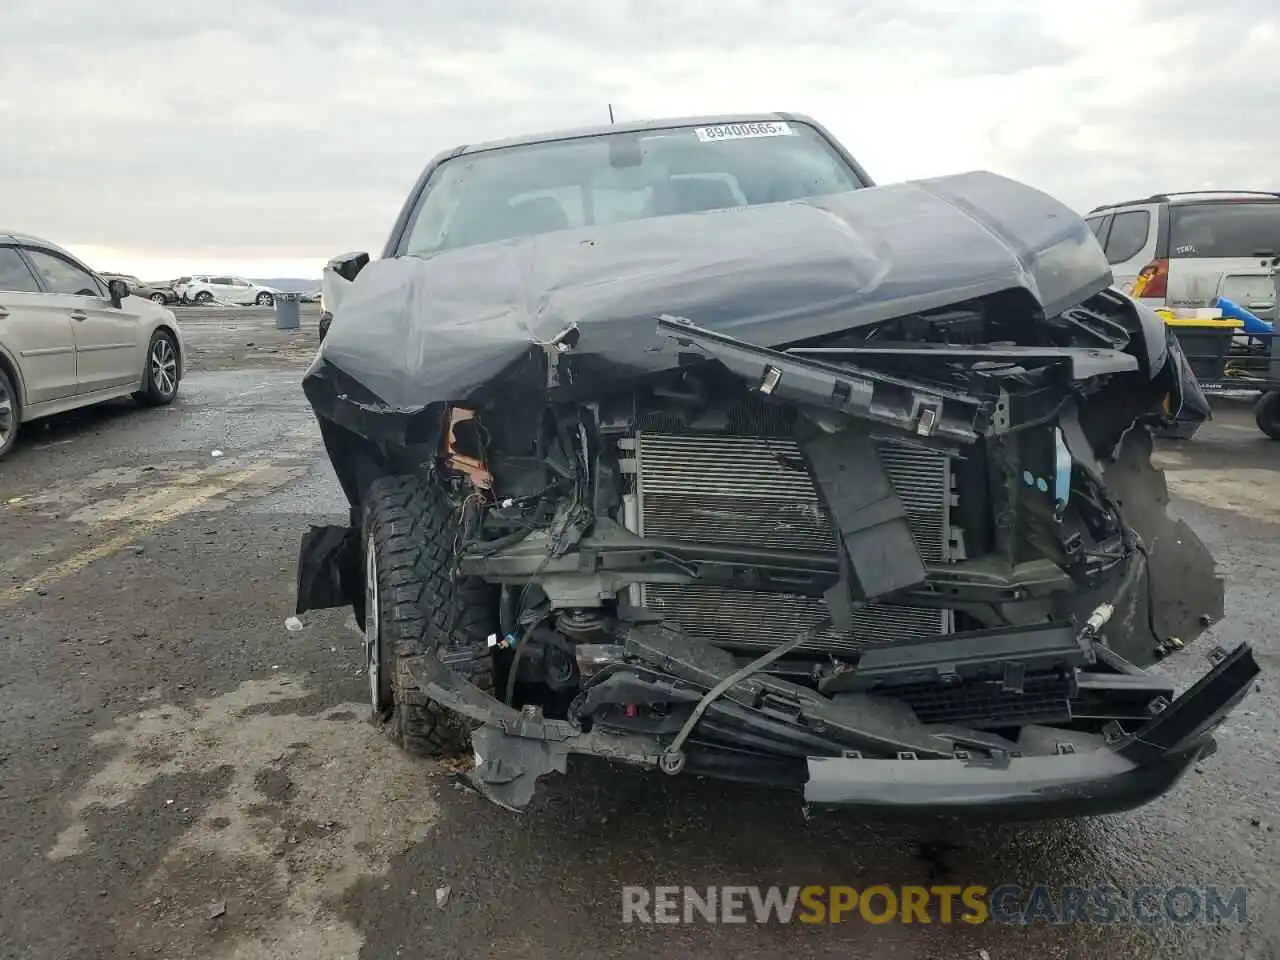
column 181, row 776
column 222, row 338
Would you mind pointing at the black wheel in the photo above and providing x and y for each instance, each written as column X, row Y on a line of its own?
column 1266, row 414
column 9, row 414
column 416, row 607
column 159, row 298
column 265, row 300
column 160, row 380
column 204, row 296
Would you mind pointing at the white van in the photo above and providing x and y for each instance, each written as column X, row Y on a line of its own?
column 1188, row 249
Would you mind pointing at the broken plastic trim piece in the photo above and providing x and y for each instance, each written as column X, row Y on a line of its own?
column 878, row 552
column 514, row 748
column 846, row 389
column 1125, row 773
column 976, row 655
column 1192, row 716
column 1085, row 363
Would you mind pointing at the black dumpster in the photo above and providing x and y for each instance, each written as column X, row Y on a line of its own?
column 1206, row 344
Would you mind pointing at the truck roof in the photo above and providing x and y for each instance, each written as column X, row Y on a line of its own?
column 631, row 126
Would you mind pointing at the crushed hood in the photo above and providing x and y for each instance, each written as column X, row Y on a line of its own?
column 415, row 331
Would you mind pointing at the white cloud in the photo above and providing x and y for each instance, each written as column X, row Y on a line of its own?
column 167, row 132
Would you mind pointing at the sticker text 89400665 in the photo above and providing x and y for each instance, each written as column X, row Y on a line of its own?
column 744, row 131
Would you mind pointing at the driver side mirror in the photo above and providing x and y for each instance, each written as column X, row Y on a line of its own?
column 348, row 265
column 119, row 290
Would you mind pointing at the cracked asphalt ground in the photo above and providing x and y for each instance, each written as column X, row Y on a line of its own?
column 181, row 776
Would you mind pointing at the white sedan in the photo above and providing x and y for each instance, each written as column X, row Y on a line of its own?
column 69, row 339
column 211, row 289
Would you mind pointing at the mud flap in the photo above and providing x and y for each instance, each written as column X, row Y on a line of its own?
column 329, row 570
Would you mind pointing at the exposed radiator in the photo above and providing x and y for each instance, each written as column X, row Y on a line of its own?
column 754, row 490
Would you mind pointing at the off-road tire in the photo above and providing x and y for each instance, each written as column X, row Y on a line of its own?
column 1266, row 414
column 423, row 609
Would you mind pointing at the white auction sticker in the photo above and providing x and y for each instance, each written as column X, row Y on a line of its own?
column 744, row 131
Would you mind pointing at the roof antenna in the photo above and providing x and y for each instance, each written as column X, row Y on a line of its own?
column 611, row 113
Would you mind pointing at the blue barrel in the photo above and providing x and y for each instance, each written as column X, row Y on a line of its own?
column 1252, row 322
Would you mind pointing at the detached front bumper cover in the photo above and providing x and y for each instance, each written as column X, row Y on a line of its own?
column 515, row 748
column 1128, row 772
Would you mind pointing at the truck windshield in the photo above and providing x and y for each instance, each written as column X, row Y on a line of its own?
column 530, row 189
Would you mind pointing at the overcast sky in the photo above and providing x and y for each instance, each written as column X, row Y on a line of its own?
column 262, row 136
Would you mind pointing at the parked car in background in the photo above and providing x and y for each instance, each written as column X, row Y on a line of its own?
column 1187, row 249
column 162, row 293
column 168, row 287
column 70, row 337
column 224, row 289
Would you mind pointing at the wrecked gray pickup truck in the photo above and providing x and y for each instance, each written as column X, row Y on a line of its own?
column 684, row 445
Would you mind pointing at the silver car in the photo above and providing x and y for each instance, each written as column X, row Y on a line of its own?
column 69, row 338
column 160, row 292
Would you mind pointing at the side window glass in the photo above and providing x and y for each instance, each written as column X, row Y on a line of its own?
column 1128, row 235
column 62, row 276
column 15, row 275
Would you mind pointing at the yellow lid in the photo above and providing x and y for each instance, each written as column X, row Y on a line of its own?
column 1221, row 323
